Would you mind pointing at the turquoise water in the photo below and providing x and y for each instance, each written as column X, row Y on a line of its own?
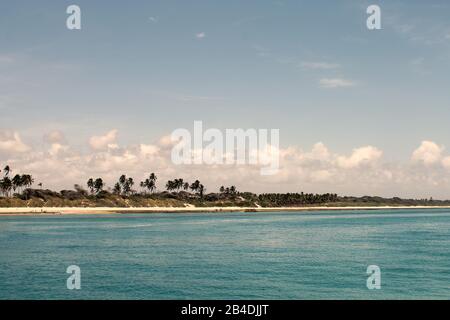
column 228, row 255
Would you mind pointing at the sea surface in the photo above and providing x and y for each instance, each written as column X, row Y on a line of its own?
column 307, row 255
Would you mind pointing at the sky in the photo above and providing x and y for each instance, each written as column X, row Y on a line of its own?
column 359, row 111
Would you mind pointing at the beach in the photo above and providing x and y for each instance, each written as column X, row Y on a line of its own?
column 190, row 209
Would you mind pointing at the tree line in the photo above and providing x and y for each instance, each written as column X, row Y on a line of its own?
column 180, row 188
column 19, row 182
column 286, row 199
column 124, row 186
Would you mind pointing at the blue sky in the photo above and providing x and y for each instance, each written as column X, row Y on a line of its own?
column 143, row 68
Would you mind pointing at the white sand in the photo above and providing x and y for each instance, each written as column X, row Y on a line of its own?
column 190, row 209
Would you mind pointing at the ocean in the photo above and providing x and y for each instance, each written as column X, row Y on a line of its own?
column 282, row 255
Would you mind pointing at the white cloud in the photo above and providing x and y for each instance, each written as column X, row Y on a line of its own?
column 336, row 83
column 153, row 19
column 200, row 35
column 446, row 163
column 360, row 156
column 319, row 65
column 321, row 175
column 57, row 148
column 111, row 162
column 55, row 136
column 320, row 152
column 428, row 153
column 149, row 150
column 104, row 142
column 10, row 142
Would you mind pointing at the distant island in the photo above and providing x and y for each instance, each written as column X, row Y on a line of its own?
column 16, row 192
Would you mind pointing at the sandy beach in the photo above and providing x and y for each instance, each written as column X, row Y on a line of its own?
column 190, row 209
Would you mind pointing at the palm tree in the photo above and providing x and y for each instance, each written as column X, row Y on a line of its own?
column 151, row 185
column 127, row 186
column 90, row 184
column 170, row 185
column 130, row 181
column 198, row 188
column 179, row 184
column 117, row 189
column 27, row 180
column 98, row 185
column 122, row 179
column 40, row 185
column 186, row 186
column 201, row 190
column 222, row 189
column 5, row 186
column 17, row 182
column 195, row 186
column 7, row 170
column 148, row 184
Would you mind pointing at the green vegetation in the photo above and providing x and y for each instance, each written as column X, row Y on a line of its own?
column 17, row 183
column 17, row 192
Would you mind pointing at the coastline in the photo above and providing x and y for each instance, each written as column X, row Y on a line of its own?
column 17, row 211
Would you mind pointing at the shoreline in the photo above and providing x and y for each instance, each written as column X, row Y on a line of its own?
column 17, row 211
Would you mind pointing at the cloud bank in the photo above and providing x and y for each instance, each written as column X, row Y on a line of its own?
column 363, row 171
